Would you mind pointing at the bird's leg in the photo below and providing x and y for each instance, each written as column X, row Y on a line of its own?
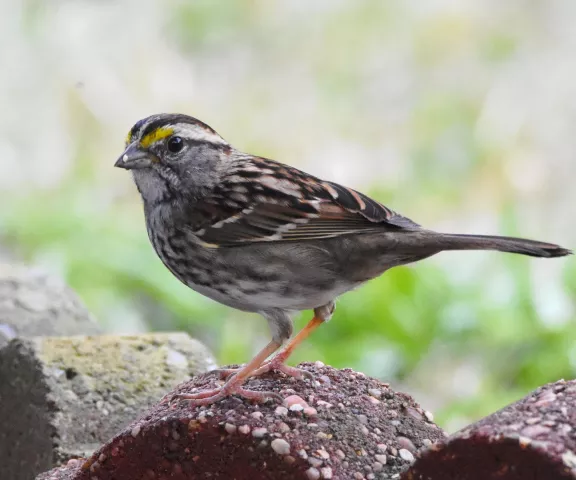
column 278, row 362
column 234, row 385
column 282, row 328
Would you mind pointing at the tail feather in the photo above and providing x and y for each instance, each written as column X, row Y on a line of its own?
column 522, row 246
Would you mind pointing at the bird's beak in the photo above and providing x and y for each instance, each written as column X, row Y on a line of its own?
column 134, row 157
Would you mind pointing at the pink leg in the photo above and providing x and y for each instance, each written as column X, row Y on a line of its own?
column 278, row 362
column 234, row 385
column 258, row 365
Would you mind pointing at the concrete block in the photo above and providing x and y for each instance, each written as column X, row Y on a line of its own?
column 62, row 397
column 33, row 303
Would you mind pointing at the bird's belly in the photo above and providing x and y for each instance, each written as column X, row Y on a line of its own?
column 256, row 278
column 256, row 296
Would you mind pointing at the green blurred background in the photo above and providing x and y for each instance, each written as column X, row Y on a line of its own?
column 460, row 115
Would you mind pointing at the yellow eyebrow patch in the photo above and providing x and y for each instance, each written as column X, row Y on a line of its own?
column 155, row 136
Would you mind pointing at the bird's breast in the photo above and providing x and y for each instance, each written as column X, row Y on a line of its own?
column 254, row 277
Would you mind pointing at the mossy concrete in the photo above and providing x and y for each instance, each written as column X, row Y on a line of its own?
column 126, row 366
column 61, row 397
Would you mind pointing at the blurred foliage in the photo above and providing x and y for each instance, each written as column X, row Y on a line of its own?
column 461, row 331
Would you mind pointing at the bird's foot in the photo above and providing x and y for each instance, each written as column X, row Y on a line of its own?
column 277, row 363
column 209, row 397
column 234, row 384
column 225, row 373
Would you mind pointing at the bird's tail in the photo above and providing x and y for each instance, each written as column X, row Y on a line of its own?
column 522, row 246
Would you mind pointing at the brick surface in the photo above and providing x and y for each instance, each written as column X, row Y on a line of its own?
column 340, row 425
column 534, row 438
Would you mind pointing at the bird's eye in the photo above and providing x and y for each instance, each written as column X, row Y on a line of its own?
column 175, row 144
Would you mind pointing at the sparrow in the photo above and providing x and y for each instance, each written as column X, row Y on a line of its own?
column 264, row 237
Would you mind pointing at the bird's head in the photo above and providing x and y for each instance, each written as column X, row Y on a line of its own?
column 173, row 154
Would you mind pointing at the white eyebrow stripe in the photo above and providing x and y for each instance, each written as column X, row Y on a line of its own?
column 197, row 134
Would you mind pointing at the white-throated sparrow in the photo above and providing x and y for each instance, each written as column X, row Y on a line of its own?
column 264, row 237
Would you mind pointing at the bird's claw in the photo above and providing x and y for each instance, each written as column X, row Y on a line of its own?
column 287, row 370
column 225, row 373
column 209, row 397
column 298, row 373
column 234, row 387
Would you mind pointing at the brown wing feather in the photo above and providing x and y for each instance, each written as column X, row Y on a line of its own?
column 265, row 201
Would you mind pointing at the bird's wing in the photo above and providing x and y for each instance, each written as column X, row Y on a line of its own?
column 260, row 200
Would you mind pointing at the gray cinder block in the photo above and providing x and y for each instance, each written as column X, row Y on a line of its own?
column 62, row 397
column 33, row 303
